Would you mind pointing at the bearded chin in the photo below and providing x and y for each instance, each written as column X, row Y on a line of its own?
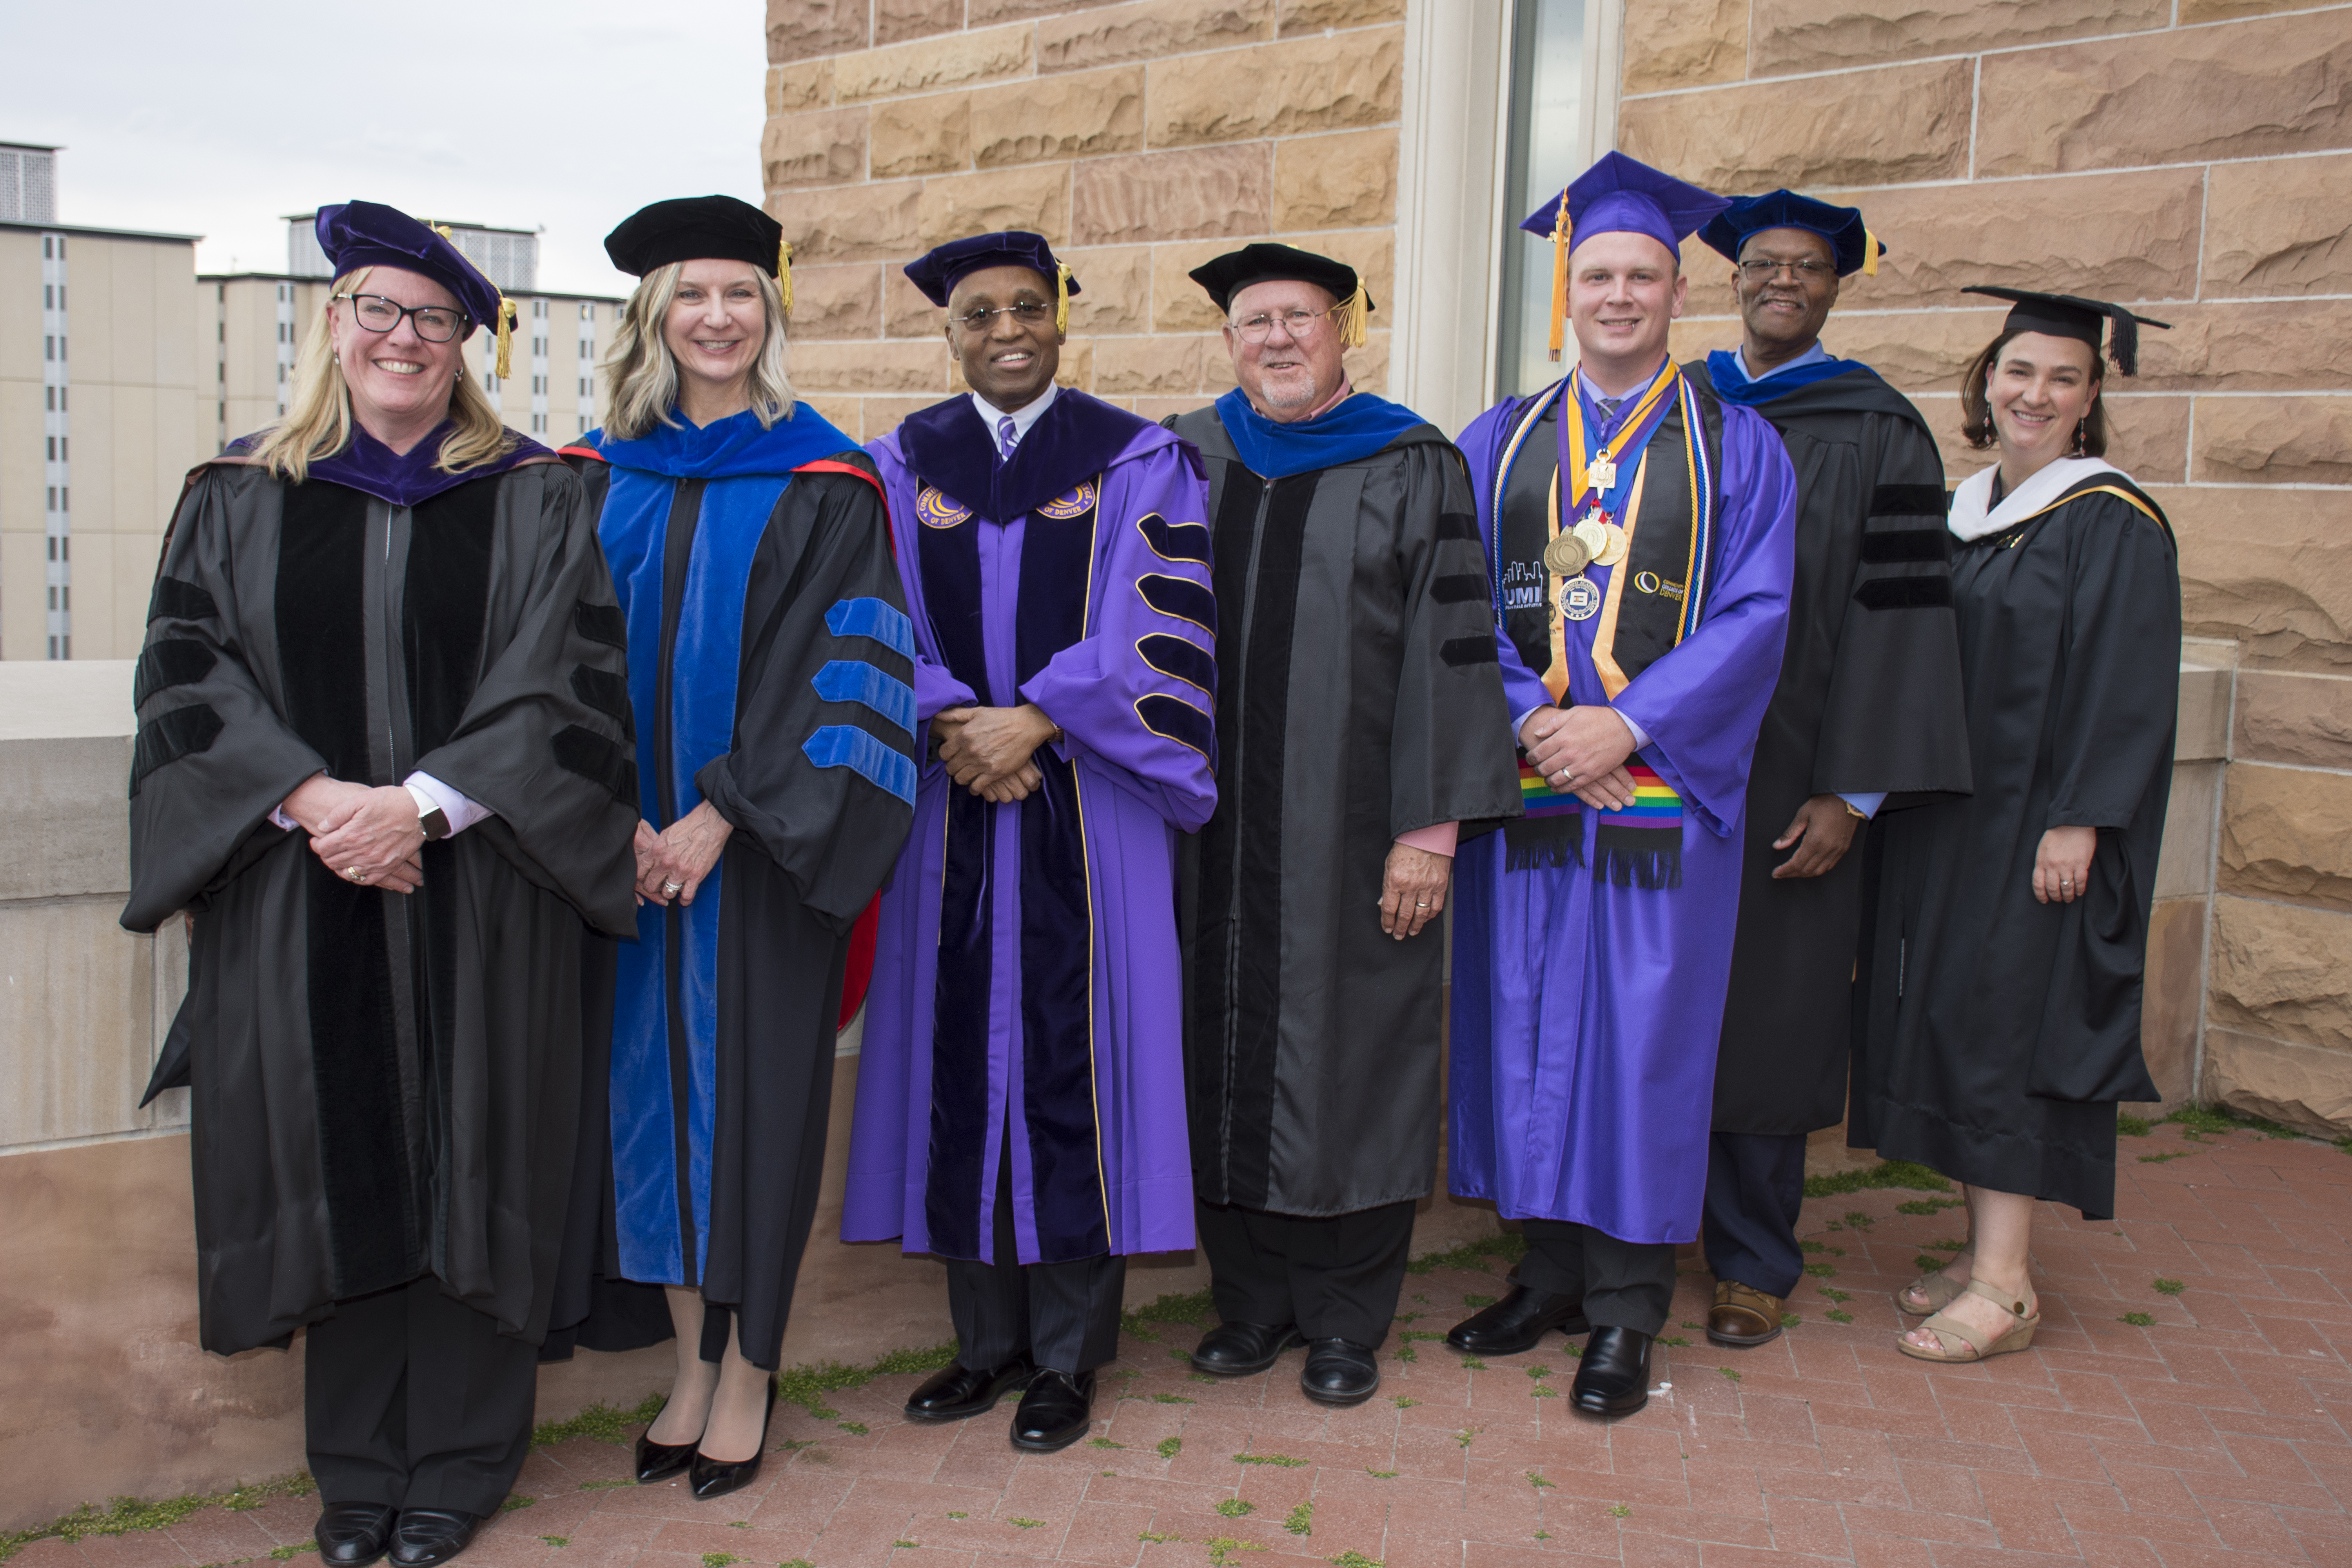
column 1296, row 390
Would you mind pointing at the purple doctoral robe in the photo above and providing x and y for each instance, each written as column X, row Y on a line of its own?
column 1587, row 1005
column 1027, row 957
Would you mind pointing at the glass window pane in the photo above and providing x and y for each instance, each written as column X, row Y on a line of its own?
column 1545, row 151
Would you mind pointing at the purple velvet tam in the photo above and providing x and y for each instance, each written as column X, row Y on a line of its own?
column 1850, row 241
column 937, row 272
column 368, row 234
column 1624, row 195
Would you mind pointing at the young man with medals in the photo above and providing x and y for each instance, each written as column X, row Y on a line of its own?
column 1020, row 1093
column 1640, row 533
column 1353, row 739
column 1868, row 705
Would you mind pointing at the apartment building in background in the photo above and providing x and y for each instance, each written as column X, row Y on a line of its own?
column 97, row 416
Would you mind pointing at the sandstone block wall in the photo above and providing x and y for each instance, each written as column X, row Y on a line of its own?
column 1140, row 139
column 2195, row 160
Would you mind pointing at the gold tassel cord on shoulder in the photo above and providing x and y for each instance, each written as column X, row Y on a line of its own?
column 784, row 273
column 1869, row 254
column 506, row 336
column 1350, row 317
column 1062, row 297
column 1559, row 234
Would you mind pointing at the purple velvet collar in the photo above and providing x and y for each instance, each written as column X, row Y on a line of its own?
column 1077, row 437
column 403, row 479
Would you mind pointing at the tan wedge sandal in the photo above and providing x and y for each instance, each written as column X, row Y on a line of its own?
column 1939, row 1288
column 2017, row 1337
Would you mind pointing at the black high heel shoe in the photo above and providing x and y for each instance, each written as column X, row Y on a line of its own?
column 657, row 1460
column 709, row 1477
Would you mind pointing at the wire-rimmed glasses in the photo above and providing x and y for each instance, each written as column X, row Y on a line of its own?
column 1300, row 324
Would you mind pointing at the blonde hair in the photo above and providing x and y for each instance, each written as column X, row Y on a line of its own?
column 318, row 422
column 641, row 375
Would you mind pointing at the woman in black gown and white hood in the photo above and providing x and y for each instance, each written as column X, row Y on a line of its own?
column 2003, row 974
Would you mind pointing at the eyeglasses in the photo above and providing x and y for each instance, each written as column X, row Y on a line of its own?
column 434, row 323
column 1028, row 312
column 1299, row 324
column 1804, row 271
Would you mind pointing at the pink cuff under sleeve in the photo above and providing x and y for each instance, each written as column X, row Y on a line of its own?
column 1438, row 837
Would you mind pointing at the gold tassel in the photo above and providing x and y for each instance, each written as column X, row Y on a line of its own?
column 1062, row 297
column 1559, row 230
column 1350, row 320
column 784, row 273
column 506, row 336
column 1869, row 254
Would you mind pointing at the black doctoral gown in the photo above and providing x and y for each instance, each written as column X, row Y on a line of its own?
column 384, row 1086
column 1868, row 702
column 767, row 676
column 1358, row 698
column 2001, row 1031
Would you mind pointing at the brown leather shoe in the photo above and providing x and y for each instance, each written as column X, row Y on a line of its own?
column 1742, row 1315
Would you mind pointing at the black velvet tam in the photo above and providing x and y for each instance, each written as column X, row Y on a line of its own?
column 696, row 228
column 1227, row 276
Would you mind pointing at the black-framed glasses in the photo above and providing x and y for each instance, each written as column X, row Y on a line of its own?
column 1299, row 324
column 1804, row 270
column 434, row 323
column 1028, row 312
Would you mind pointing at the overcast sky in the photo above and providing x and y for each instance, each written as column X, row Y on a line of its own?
column 219, row 120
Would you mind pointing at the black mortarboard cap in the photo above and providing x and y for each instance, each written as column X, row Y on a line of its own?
column 2072, row 316
column 1225, row 275
column 368, row 234
column 936, row 271
column 1852, row 245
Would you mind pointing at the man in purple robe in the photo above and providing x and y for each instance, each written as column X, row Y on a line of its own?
column 1020, row 1096
column 1641, row 536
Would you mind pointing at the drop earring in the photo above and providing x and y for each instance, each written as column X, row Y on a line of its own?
column 2080, row 426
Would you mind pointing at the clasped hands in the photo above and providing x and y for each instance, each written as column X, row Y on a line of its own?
column 1581, row 750
column 671, row 863
column 988, row 750
column 366, row 834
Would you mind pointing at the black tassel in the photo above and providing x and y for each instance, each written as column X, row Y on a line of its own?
column 2124, row 341
column 1544, row 843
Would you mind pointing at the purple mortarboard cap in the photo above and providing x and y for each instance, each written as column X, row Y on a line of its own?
column 368, row 234
column 1624, row 195
column 938, row 271
column 1852, row 245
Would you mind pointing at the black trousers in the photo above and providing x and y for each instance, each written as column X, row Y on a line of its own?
column 1059, row 1315
column 1624, row 1284
column 415, row 1400
column 1755, row 1190
column 1335, row 1275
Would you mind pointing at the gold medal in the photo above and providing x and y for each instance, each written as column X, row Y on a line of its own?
column 1593, row 536
column 1568, row 553
column 1613, row 546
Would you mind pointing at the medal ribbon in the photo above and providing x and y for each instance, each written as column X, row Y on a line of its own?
column 1631, row 436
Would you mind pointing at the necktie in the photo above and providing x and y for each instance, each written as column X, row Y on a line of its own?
column 1007, row 437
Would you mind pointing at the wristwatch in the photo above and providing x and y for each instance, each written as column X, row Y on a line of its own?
column 429, row 816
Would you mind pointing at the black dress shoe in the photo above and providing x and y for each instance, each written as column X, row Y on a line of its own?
column 1518, row 1322
column 1054, row 1413
column 1238, row 1350
column 956, row 1391
column 656, row 1461
column 1613, row 1376
column 1338, row 1372
column 353, row 1535
column 428, row 1536
column 709, row 1477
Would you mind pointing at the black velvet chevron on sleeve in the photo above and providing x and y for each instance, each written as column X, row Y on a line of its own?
column 1460, row 588
column 168, row 737
column 608, row 694
column 1896, row 546
column 180, row 600
column 594, row 758
column 174, row 661
column 1460, row 651
column 1909, row 501
column 601, row 622
column 1904, row 593
column 1457, row 525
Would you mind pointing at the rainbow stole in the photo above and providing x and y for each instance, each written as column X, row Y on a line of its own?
column 1560, row 841
column 1643, row 845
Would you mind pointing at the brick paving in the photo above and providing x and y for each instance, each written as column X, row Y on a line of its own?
column 2216, row 1435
